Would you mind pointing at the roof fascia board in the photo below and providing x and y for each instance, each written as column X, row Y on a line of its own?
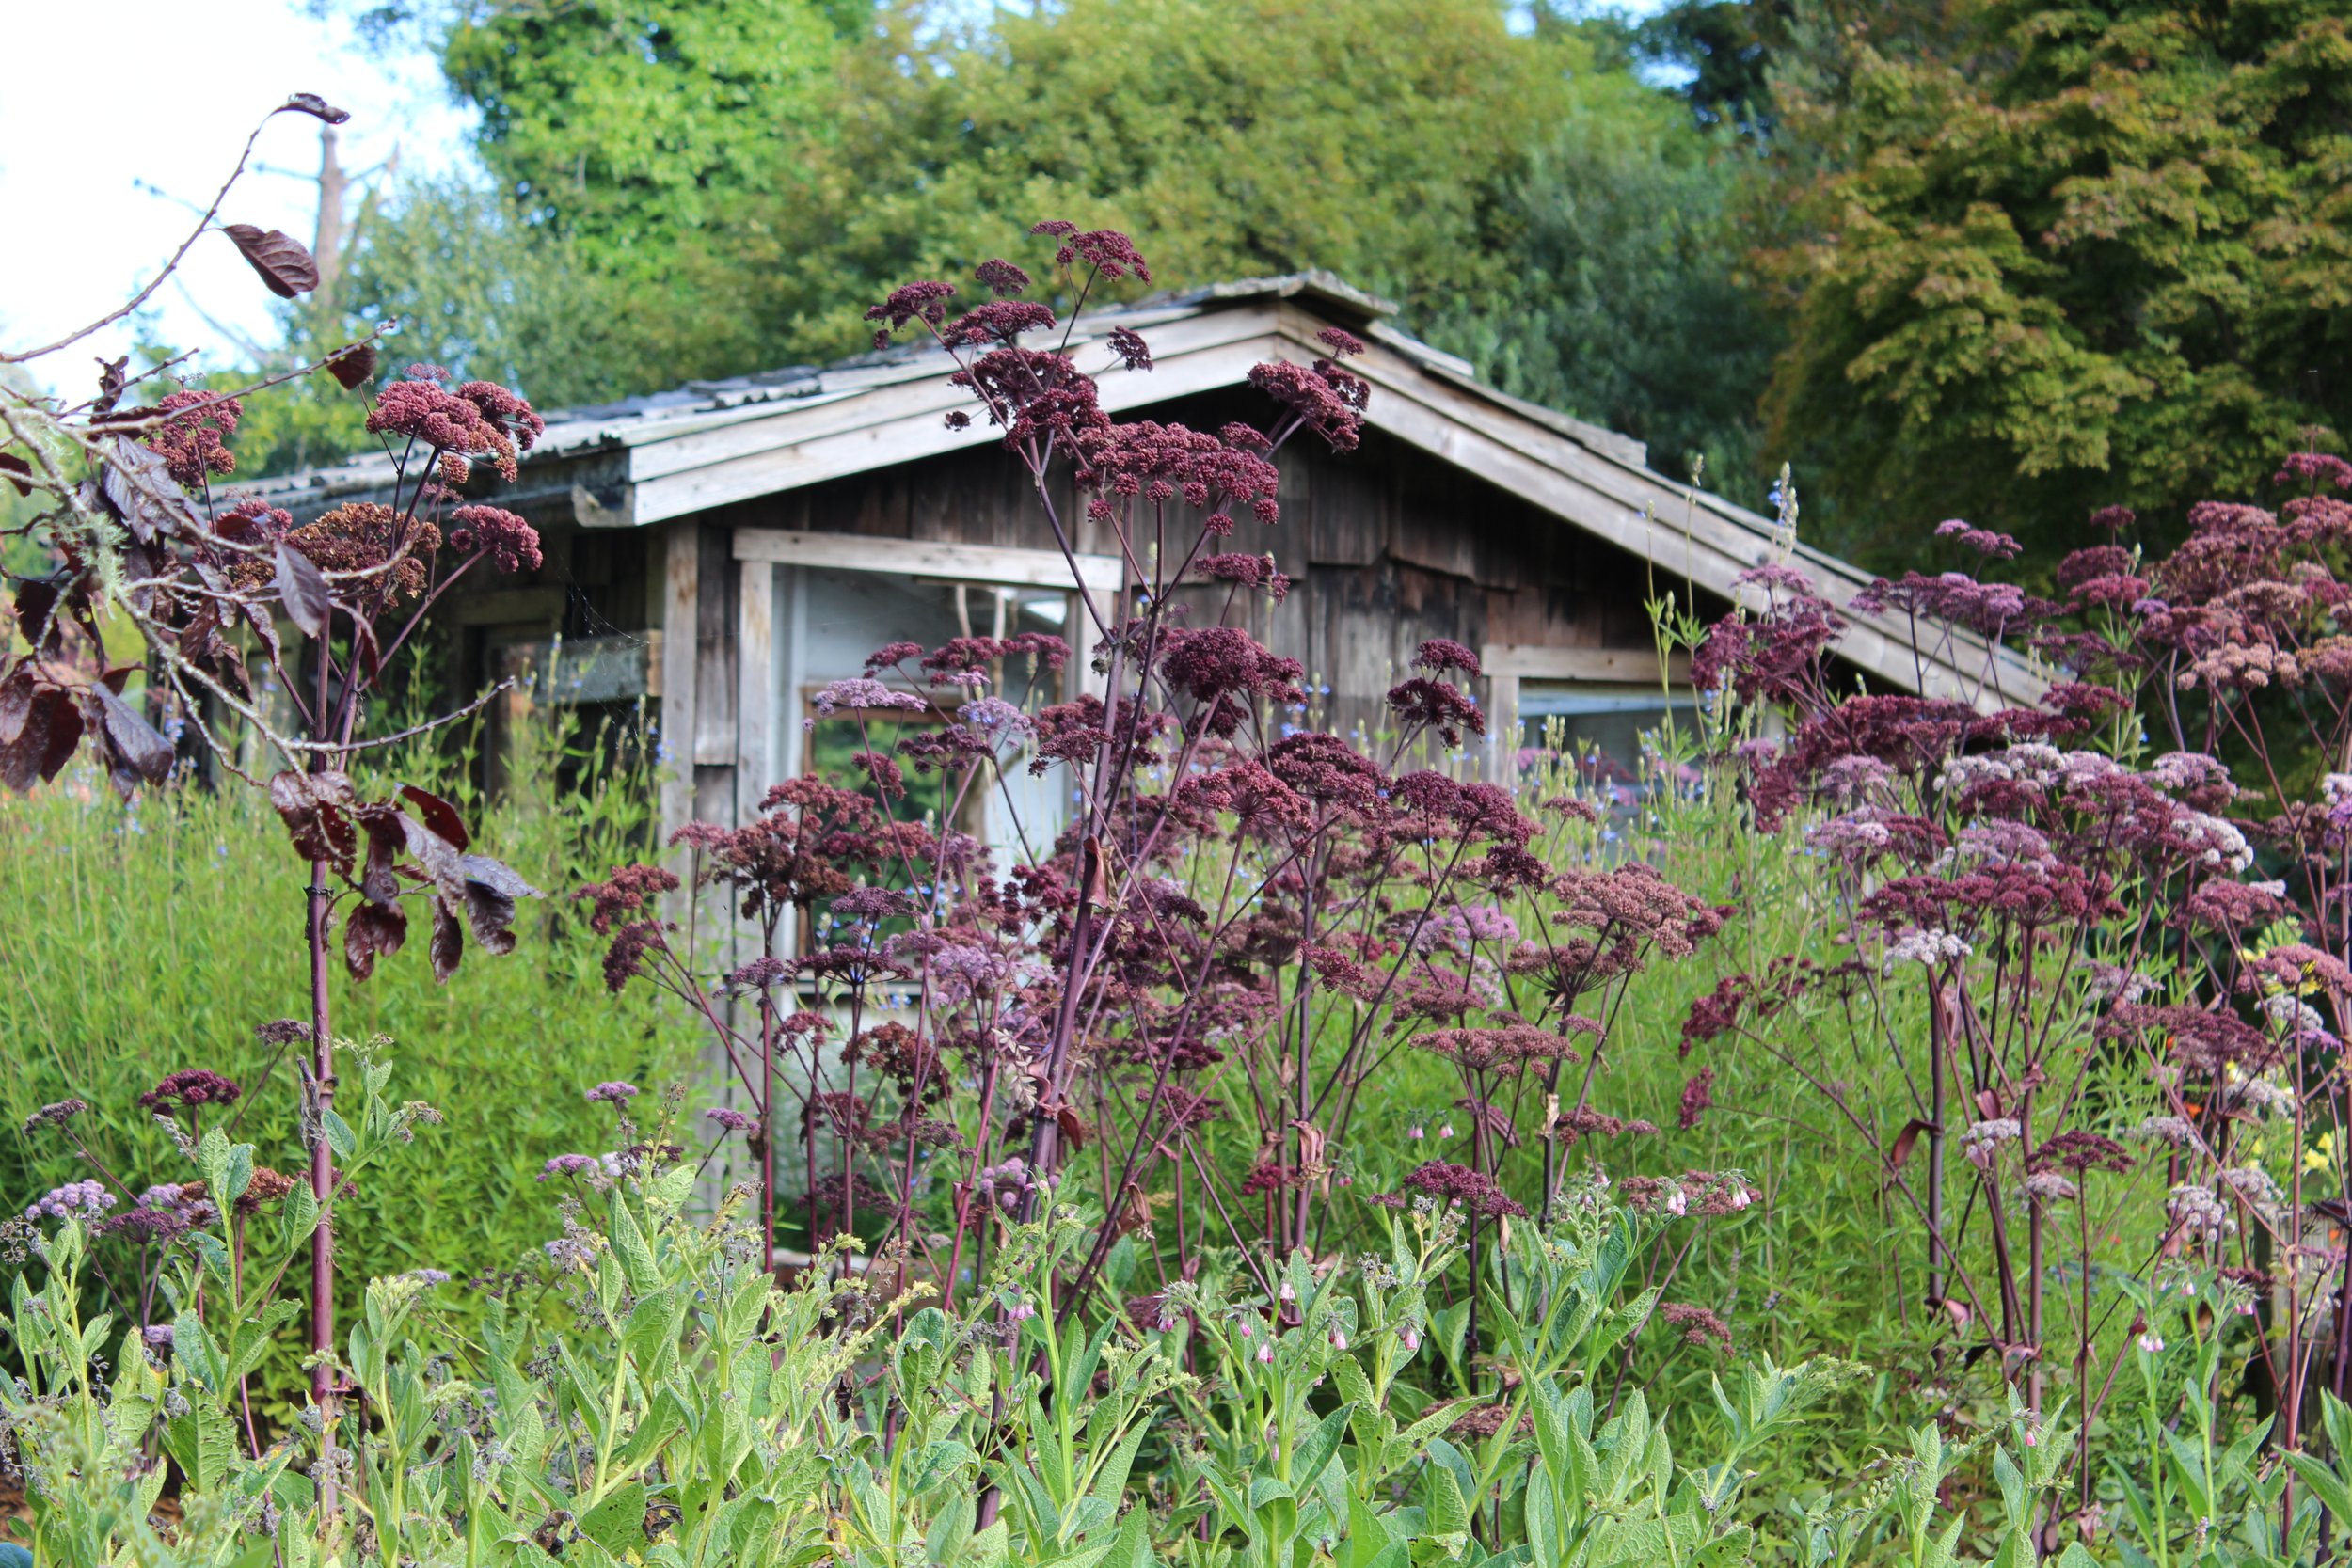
column 1631, row 508
column 928, row 393
column 905, row 423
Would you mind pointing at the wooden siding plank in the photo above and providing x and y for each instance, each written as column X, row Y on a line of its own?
column 924, row 559
column 1543, row 662
column 714, row 662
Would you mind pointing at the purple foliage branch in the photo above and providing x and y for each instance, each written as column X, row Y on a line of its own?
column 130, row 501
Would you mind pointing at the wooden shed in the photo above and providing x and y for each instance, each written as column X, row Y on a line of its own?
column 727, row 548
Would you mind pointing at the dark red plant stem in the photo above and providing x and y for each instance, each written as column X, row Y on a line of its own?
column 1937, row 1038
column 320, row 909
column 768, row 1111
column 1302, row 1062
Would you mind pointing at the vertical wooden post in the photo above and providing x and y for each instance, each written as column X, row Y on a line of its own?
column 791, row 619
column 756, row 701
column 681, row 593
column 1502, row 717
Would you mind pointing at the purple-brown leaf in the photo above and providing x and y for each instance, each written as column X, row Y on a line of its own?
column 202, row 645
column 113, row 381
column 438, row 814
column 314, row 807
column 491, row 889
column 43, row 741
column 312, row 105
column 62, row 731
column 139, row 750
column 37, row 614
column 1899, row 1151
column 16, row 702
column 285, row 265
column 140, row 487
column 373, row 931
column 14, row 466
column 302, row 588
column 353, row 366
column 449, row 942
column 387, row 838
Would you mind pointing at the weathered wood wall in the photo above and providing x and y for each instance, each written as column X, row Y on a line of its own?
column 1387, row 546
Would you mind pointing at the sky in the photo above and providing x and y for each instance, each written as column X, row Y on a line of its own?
column 117, row 115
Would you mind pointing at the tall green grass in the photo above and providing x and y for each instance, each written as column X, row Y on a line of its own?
column 135, row 940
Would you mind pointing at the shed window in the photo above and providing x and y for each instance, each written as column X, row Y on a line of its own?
column 835, row 618
column 1610, row 732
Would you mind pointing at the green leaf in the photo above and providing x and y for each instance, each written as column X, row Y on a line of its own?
column 628, row 1243
column 949, row 1532
column 618, row 1522
column 1315, row 1449
column 2325, row 1483
column 1110, row 1482
column 989, row 1547
column 1133, row 1549
column 1448, row 1511
column 1368, row 1533
column 203, row 1443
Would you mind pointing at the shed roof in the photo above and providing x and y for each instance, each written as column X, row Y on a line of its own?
column 667, row 454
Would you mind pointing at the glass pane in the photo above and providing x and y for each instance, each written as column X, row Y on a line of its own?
column 1609, row 733
column 847, row 615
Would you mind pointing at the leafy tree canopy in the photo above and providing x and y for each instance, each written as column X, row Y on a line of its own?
column 1629, row 301
column 1234, row 137
column 635, row 124
column 2091, row 253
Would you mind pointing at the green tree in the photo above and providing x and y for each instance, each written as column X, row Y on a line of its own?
column 478, row 286
column 1234, row 137
column 1627, row 302
column 1527, row 199
column 639, row 134
column 2089, row 253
